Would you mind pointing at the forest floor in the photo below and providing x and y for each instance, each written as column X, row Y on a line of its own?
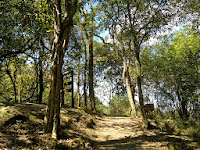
column 21, row 127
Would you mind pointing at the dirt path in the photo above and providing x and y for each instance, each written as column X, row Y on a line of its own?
column 109, row 133
column 127, row 134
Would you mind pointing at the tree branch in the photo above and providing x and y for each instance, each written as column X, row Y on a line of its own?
column 10, row 53
column 104, row 42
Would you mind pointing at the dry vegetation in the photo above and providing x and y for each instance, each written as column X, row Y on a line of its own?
column 21, row 127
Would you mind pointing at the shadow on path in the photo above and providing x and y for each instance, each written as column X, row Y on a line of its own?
column 145, row 142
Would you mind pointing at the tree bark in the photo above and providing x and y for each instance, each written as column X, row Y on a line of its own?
column 51, row 121
column 85, row 82
column 86, row 63
column 72, row 76
column 78, row 83
column 19, row 89
column 91, row 77
column 62, row 91
column 139, row 86
column 130, row 92
column 62, row 30
column 182, row 109
column 40, row 78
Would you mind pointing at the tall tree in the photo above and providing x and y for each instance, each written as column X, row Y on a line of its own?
column 88, row 26
column 126, row 56
column 85, row 76
column 130, row 90
column 62, row 29
column 140, row 19
column 40, row 66
column 91, row 75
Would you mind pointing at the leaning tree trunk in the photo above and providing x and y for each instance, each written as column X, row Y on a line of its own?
column 61, row 38
column 139, row 86
column 127, row 82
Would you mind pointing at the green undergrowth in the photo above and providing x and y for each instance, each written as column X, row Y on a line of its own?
column 189, row 128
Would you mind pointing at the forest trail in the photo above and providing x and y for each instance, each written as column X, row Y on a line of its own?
column 21, row 127
column 113, row 128
column 127, row 134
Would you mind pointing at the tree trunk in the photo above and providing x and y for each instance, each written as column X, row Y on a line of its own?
column 185, row 114
column 72, row 73
column 62, row 91
column 78, row 83
column 138, row 66
column 62, row 32
column 85, row 82
column 12, row 80
column 91, row 77
column 19, row 90
column 130, row 92
column 52, row 120
column 182, row 110
column 139, row 86
column 40, row 78
column 15, row 91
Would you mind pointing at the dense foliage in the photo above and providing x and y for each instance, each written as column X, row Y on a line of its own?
column 172, row 68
